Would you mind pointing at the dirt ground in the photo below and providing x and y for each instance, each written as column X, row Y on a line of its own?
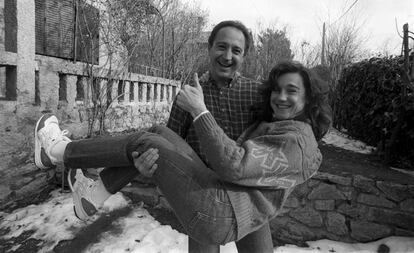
column 339, row 161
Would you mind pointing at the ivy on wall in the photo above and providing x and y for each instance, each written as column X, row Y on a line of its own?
column 370, row 105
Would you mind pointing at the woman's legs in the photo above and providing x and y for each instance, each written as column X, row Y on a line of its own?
column 195, row 193
column 114, row 153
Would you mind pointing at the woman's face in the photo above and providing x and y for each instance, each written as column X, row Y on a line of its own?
column 288, row 97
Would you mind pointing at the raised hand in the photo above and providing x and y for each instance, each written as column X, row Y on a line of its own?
column 145, row 163
column 191, row 98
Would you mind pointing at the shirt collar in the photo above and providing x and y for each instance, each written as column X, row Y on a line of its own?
column 207, row 80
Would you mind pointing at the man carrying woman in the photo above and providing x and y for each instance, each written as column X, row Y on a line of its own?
column 245, row 182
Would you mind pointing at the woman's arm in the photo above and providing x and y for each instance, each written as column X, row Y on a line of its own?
column 276, row 161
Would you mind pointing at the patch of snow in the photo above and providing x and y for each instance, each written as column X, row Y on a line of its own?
column 408, row 172
column 342, row 140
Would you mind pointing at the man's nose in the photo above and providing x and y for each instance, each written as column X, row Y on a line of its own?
column 227, row 54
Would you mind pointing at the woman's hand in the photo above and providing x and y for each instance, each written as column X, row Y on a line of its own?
column 145, row 163
column 191, row 98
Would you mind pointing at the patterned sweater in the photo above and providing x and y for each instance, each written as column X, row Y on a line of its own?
column 260, row 168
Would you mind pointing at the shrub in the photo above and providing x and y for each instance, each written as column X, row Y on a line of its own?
column 370, row 105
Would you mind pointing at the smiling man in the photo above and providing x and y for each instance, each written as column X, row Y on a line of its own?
column 230, row 98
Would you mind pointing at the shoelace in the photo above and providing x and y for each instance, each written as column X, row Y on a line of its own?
column 53, row 133
column 84, row 182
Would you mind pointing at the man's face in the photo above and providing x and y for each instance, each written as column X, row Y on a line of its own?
column 226, row 53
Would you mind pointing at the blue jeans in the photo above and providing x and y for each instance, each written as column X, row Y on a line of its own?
column 197, row 196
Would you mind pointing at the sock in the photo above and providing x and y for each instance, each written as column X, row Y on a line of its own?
column 57, row 151
column 99, row 193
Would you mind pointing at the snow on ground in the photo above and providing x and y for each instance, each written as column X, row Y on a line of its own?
column 342, row 140
column 139, row 232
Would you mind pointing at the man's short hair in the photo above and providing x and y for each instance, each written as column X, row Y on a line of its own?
column 231, row 23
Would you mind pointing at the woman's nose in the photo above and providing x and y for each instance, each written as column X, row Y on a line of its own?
column 282, row 96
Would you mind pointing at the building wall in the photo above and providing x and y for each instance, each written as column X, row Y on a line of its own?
column 1, row 25
column 20, row 181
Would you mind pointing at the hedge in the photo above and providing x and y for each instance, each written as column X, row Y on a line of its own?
column 369, row 104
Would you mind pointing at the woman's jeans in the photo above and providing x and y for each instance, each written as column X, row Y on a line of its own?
column 198, row 198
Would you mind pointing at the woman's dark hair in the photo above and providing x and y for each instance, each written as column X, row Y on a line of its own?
column 231, row 23
column 317, row 110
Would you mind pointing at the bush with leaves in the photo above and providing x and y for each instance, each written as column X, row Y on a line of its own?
column 371, row 106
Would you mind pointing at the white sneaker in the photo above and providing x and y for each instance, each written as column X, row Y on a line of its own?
column 47, row 134
column 82, row 190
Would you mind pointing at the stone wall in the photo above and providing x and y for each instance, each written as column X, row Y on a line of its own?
column 351, row 208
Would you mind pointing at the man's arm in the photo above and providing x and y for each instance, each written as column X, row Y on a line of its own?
column 179, row 120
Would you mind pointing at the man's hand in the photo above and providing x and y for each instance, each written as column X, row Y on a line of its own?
column 145, row 163
column 191, row 98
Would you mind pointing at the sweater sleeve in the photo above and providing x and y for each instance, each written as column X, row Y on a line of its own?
column 269, row 161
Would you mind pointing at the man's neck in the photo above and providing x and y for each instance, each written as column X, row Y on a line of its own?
column 220, row 82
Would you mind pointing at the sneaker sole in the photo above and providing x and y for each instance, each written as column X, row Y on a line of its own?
column 80, row 213
column 38, row 148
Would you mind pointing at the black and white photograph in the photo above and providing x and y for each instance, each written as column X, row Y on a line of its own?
column 207, row 126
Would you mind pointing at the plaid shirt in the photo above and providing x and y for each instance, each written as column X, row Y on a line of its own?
column 231, row 106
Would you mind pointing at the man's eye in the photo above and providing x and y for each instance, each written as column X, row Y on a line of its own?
column 237, row 51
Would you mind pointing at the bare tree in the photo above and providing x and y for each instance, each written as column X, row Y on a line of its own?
column 106, row 51
column 307, row 54
column 182, row 27
column 343, row 44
